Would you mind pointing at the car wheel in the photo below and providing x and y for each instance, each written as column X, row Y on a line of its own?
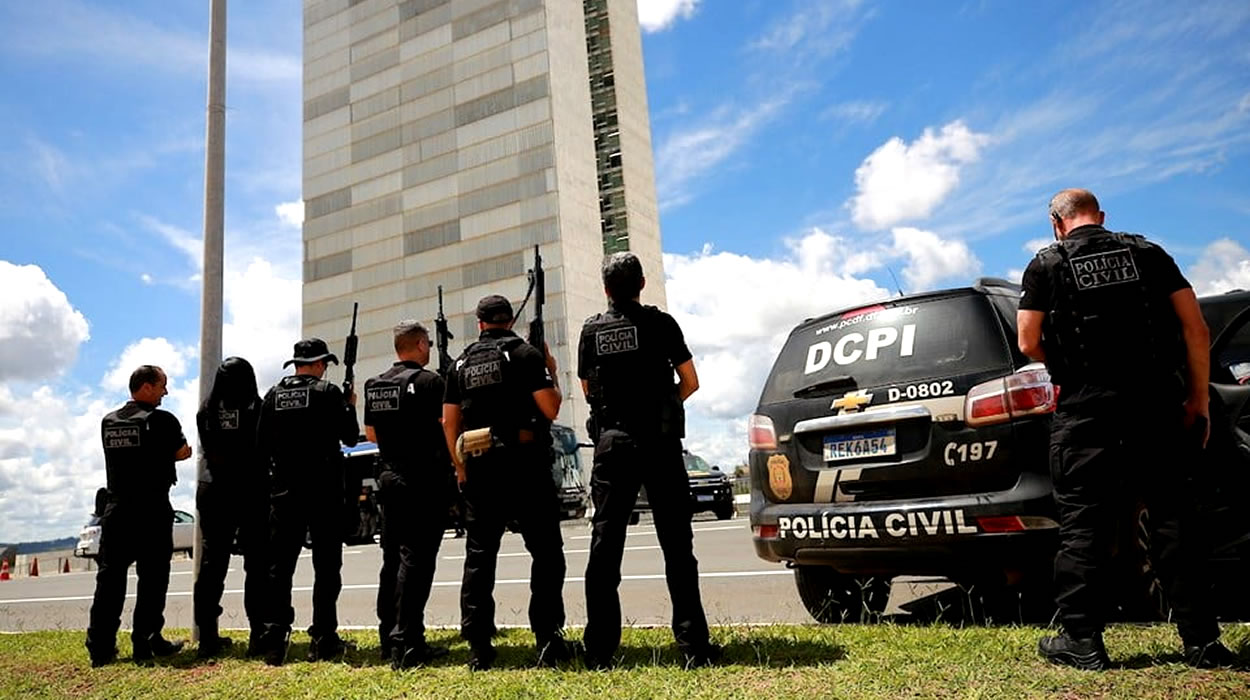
column 831, row 597
column 724, row 512
column 635, row 517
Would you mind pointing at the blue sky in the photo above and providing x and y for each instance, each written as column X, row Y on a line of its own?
column 819, row 145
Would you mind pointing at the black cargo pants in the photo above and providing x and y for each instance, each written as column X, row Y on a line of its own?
column 622, row 465
column 317, row 515
column 415, row 518
column 230, row 510
column 512, row 484
column 1108, row 453
column 139, row 533
column 388, row 594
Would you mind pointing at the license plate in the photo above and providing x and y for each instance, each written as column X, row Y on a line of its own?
column 871, row 443
column 704, row 497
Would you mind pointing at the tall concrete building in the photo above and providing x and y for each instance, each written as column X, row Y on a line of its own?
column 443, row 139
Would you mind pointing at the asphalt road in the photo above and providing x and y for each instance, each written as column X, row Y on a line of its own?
column 737, row 586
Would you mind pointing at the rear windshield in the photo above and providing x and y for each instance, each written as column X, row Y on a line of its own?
column 887, row 344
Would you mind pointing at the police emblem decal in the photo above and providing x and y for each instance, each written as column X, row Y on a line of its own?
column 616, row 340
column 383, row 398
column 227, row 420
column 290, row 399
column 779, row 477
column 1104, row 269
column 121, row 436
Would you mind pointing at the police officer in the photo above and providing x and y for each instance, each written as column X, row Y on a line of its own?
column 141, row 445
column 403, row 412
column 627, row 357
column 302, row 421
column 503, row 396
column 1121, row 333
column 233, row 502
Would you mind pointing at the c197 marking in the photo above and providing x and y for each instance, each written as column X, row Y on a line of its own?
column 960, row 452
column 924, row 390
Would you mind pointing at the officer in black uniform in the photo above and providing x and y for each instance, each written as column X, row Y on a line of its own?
column 505, row 385
column 1121, row 333
column 233, row 503
column 141, row 445
column 627, row 357
column 302, row 421
column 403, row 412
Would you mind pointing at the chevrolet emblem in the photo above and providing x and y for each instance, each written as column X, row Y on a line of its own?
column 852, row 401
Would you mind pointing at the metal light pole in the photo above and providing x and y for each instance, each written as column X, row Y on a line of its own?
column 214, row 234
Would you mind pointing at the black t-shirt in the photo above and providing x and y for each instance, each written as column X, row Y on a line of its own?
column 656, row 324
column 512, row 405
column 141, row 443
column 1039, row 283
column 406, row 416
column 302, row 421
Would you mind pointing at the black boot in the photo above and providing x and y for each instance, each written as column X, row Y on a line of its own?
column 1213, row 654
column 276, row 644
column 153, row 645
column 1087, row 654
column 411, row 657
column 708, row 654
column 554, row 650
column 101, row 653
column 481, row 655
column 326, row 648
column 255, row 643
column 213, row 645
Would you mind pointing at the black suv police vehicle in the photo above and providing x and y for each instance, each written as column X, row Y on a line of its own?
column 910, row 437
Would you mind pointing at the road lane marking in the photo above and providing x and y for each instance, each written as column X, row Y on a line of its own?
column 437, row 584
column 567, row 551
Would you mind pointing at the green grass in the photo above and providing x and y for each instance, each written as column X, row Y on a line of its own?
column 761, row 663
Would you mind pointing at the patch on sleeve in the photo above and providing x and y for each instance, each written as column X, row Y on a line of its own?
column 383, row 398
column 616, row 340
column 1104, row 269
column 227, row 420
column 121, row 436
column 291, row 399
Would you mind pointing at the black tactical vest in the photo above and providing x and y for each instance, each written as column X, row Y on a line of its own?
column 490, row 394
column 631, row 379
column 134, row 455
column 1110, row 326
column 388, row 410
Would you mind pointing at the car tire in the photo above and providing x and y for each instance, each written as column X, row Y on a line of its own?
column 635, row 518
column 724, row 512
column 832, row 598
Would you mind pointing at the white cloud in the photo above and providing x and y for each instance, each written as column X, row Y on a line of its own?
column 735, row 329
column 901, row 181
column 1223, row 266
column 1033, row 245
column 657, row 15
column 186, row 242
column 173, row 359
column 932, row 259
column 691, row 152
column 856, row 111
column 262, row 333
column 40, row 330
column 291, row 213
column 819, row 28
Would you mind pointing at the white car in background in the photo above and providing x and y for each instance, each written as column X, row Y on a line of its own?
column 89, row 539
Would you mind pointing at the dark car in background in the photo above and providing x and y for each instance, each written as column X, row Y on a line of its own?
column 910, row 437
column 566, row 472
column 710, row 490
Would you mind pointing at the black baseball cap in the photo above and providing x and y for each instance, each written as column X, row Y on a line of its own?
column 494, row 309
column 310, row 350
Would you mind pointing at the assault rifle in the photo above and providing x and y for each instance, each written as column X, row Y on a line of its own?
column 538, row 285
column 443, row 334
column 349, row 355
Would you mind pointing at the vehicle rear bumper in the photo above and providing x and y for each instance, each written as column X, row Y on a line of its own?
column 948, row 536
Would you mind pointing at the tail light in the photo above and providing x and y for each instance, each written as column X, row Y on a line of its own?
column 760, row 433
column 1026, row 393
column 766, row 532
column 1015, row 523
